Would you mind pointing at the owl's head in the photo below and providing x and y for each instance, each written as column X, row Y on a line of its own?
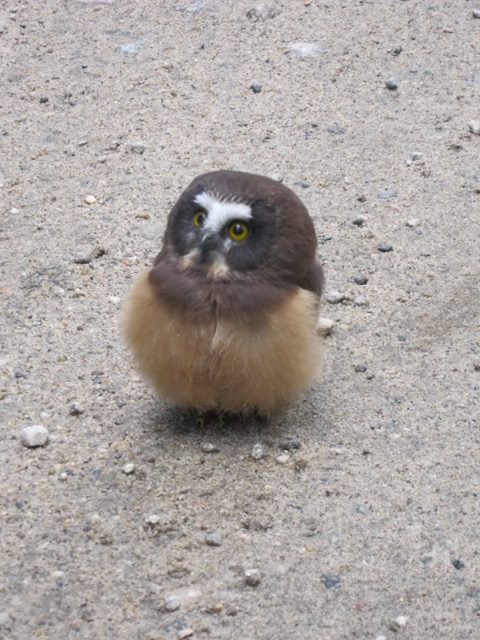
column 228, row 223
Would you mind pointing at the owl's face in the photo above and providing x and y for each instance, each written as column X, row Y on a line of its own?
column 229, row 222
column 235, row 243
column 223, row 235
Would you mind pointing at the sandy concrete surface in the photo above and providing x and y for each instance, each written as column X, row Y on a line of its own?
column 134, row 523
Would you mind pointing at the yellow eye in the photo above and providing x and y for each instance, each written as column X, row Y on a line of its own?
column 238, row 231
column 199, row 218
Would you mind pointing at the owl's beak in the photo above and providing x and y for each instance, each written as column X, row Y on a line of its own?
column 209, row 245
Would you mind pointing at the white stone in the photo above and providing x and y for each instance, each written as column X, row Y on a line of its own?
column 412, row 222
column 89, row 199
column 334, row 297
column 474, row 127
column 152, row 519
column 283, row 458
column 258, row 451
column 128, row 468
column 325, row 326
column 34, row 436
column 185, row 633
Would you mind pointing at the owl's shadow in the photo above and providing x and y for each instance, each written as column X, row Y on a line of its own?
column 168, row 422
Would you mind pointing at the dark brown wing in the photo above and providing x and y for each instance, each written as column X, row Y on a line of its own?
column 314, row 280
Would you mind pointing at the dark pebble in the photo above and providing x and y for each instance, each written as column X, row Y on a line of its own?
column 397, row 51
column 360, row 279
column 290, row 444
column 360, row 368
column 391, row 84
column 458, row 564
column 330, row 580
column 256, row 87
column 384, row 247
column 43, row 100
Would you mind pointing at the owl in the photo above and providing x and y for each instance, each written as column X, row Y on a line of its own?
column 225, row 319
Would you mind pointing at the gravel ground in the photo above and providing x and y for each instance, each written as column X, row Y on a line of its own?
column 132, row 522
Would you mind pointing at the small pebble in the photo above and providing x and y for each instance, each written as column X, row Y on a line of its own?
column 43, row 100
column 283, row 458
column 397, row 51
column 474, row 127
column 208, row 447
column 458, row 564
column 412, row 222
column 416, row 156
column 34, row 436
column 253, row 577
column 360, row 368
column 399, row 623
column 255, row 87
column 387, row 194
column 213, row 539
column 185, row 633
column 330, row 580
column 128, row 468
column 137, row 147
column 290, row 444
column 391, row 84
column 361, row 301
column 476, row 13
column 14, row 211
column 152, row 519
column 82, row 143
column 171, row 603
column 325, row 326
column 75, row 409
column 334, row 296
column 89, row 199
column 359, row 220
column 385, row 247
column 360, row 279
column 258, row 451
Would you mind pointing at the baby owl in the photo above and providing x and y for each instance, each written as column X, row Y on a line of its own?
column 225, row 319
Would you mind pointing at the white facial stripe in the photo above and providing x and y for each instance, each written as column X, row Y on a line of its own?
column 220, row 213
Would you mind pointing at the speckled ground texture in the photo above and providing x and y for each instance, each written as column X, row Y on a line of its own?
column 371, row 528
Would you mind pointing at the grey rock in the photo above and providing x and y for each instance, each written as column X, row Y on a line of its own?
column 325, row 326
column 412, row 222
column 360, row 279
column 213, row 539
column 253, row 577
column 256, row 87
column 474, row 127
column 128, row 468
column 171, row 603
column 360, row 368
column 290, row 444
column 334, row 297
column 359, row 220
column 330, row 580
column 136, row 147
column 34, row 436
column 384, row 247
column 361, row 301
column 208, row 447
column 258, row 451
column 476, row 13
column 391, row 84
column 75, row 409
column 387, row 194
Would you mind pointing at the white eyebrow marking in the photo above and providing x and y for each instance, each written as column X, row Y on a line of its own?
column 220, row 212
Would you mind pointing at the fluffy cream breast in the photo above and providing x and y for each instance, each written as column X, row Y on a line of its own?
column 234, row 365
